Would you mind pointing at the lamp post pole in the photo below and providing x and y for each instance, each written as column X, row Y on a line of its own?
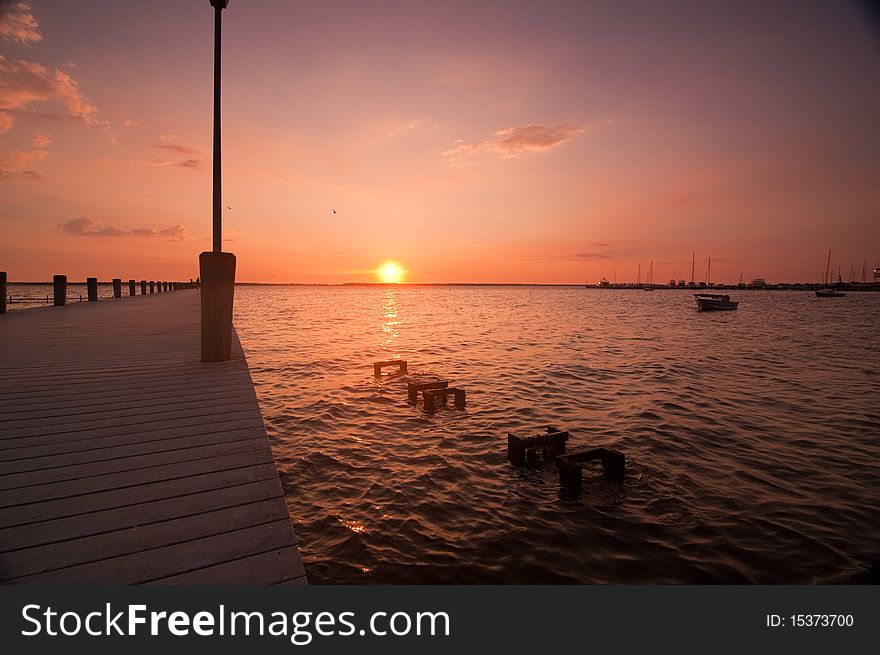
column 219, row 6
column 217, row 268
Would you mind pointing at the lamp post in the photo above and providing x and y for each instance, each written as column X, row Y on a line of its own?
column 217, row 268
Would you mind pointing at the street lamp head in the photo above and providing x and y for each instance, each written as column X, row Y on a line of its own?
column 219, row 4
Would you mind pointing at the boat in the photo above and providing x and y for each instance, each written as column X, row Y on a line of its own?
column 707, row 302
column 829, row 293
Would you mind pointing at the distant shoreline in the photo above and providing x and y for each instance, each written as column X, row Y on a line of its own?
column 782, row 286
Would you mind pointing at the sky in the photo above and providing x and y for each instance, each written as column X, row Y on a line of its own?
column 546, row 142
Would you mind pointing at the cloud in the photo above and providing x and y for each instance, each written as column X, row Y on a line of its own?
column 18, row 24
column 182, row 150
column 85, row 226
column 19, row 164
column 159, row 162
column 41, row 140
column 514, row 141
column 6, row 122
column 25, row 83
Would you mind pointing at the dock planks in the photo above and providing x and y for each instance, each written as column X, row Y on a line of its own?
column 126, row 460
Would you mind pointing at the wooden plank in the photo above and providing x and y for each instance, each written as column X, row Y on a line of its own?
column 128, row 460
column 97, row 548
column 164, row 562
column 166, row 490
column 108, row 520
column 130, row 465
column 274, row 567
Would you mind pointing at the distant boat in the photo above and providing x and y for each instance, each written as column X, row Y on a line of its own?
column 829, row 293
column 707, row 302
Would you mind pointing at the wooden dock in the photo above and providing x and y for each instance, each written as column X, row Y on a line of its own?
column 126, row 460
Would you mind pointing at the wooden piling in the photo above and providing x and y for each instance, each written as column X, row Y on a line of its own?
column 2, row 292
column 143, row 287
column 413, row 388
column 158, row 287
column 399, row 363
column 131, row 287
column 152, row 286
column 571, row 466
column 218, row 289
column 59, row 284
column 92, row 288
column 117, row 287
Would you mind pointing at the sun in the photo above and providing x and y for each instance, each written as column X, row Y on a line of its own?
column 390, row 272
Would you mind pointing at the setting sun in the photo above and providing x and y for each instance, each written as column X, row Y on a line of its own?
column 390, row 272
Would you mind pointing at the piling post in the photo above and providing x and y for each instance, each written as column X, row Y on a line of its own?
column 218, row 288
column 143, row 287
column 131, row 287
column 92, row 288
column 59, row 284
column 158, row 287
column 2, row 292
column 152, row 286
column 117, row 287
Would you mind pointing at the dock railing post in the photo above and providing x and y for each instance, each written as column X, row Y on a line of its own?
column 92, row 288
column 217, row 271
column 117, row 287
column 2, row 292
column 152, row 286
column 59, row 284
column 143, row 287
column 131, row 287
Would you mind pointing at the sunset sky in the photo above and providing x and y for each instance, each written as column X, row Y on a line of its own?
column 469, row 141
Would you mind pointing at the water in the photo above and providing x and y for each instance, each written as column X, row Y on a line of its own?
column 27, row 296
column 752, row 437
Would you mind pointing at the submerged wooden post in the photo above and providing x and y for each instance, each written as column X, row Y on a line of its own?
column 2, row 292
column 59, row 283
column 152, row 286
column 399, row 363
column 218, row 289
column 143, row 287
column 117, row 287
column 92, row 288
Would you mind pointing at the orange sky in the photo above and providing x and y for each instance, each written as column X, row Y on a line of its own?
column 472, row 142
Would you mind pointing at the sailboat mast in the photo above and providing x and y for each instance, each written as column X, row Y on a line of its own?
column 709, row 271
column 639, row 275
column 828, row 268
column 693, row 261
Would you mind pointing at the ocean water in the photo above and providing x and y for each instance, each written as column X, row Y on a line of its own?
column 752, row 437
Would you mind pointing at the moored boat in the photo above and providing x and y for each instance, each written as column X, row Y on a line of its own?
column 829, row 293
column 707, row 302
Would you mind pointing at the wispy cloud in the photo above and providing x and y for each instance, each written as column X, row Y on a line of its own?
column 24, row 84
column 179, row 149
column 515, row 141
column 85, row 226
column 18, row 24
column 19, row 164
column 154, row 162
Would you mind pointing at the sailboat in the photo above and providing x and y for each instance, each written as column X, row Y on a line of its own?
column 828, row 292
column 650, row 285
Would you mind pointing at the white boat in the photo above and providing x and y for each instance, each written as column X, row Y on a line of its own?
column 707, row 302
column 829, row 293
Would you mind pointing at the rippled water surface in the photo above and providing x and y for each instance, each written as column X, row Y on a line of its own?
column 752, row 437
